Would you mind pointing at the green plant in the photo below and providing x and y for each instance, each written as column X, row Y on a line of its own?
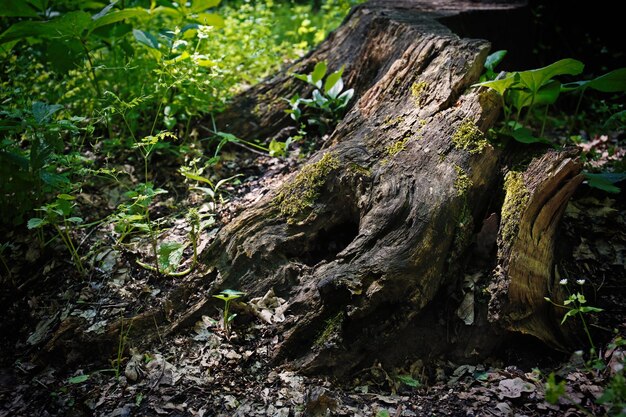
column 228, row 296
column 328, row 100
column 57, row 214
column 33, row 162
column 523, row 91
column 575, row 305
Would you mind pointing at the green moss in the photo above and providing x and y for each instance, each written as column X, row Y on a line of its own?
column 417, row 89
column 333, row 325
column 399, row 145
column 462, row 183
column 514, row 201
column 296, row 197
column 469, row 137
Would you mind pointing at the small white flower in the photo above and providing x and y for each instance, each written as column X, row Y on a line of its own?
column 580, row 281
column 563, row 281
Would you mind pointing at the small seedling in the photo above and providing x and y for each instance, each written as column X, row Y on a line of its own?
column 227, row 296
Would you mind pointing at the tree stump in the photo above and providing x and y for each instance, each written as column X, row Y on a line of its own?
column 384, row 242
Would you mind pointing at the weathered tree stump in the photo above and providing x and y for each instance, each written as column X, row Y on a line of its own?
column 384, row 242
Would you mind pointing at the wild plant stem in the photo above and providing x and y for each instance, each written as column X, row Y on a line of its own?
column 582, row 318
column 67, row 241
column 545, row 117
column 580, row 99
column 132, row 134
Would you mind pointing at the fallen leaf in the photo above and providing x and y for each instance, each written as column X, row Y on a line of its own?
column 513, row 388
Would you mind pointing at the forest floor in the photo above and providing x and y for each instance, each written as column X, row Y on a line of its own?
column 199, row 370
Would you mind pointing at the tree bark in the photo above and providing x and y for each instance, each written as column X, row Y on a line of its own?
column 384, row 242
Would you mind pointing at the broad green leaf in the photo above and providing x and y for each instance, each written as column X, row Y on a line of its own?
column 202, row 5
column 525, row 135
column 65, row 54
column 335, row 89
column 501, row 85
column 345, row 97
column 70, row 24
column 64, row 206
column 548, row 94
column 17, row 8
column 118, row 15
column 318, row 98
column 146, row 38
column 605, row 181
column 611, row 82
column 332, row 79
column 494, row 59
column 76, row 220
column 210, row 19
column 318, row 73
column 25, row 29
column 78, row 379
column 535, row 79
column 169, row 11
column 43, row 111
column 66, row 197
column 170, row 255
column 302, row 77
column 35, row 222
